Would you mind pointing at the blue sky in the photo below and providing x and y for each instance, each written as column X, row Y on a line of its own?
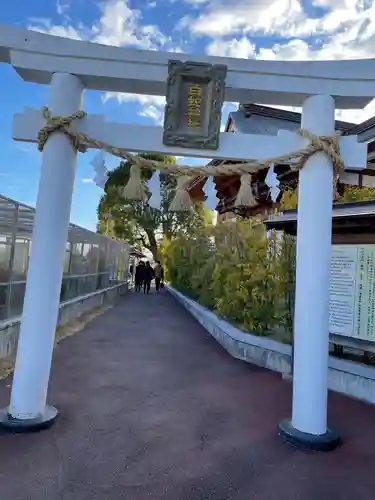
column 266, row 29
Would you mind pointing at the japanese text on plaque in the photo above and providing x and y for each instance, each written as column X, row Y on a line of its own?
column 194, row 110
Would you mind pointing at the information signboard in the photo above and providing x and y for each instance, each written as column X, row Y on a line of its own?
column 352, row 291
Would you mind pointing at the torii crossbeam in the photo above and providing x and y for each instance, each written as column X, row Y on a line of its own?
column 37, row 56
column 140, row 138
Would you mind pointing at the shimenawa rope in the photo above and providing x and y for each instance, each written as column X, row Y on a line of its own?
column 134, row 189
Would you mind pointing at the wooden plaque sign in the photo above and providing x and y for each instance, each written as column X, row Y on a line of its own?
column 195, row 95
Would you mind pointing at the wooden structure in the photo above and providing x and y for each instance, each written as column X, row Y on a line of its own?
column 352, row 223
column 252, row 118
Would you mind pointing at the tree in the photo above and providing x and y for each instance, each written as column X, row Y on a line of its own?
column 138, row 223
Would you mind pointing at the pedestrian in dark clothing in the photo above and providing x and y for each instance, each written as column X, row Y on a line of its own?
column 159, row 275
column 139, row 276
column 148, row 277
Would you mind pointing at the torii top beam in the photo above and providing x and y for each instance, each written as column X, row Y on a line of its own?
column 36, row 56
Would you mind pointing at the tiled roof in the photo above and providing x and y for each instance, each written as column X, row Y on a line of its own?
column 348, row 209
column 362, row 127
column 282, row 114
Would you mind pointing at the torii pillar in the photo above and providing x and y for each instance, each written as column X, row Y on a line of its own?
column 308, row 426
column 28, row 410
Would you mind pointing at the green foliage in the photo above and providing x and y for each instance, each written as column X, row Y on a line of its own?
column 236, row 270
column 356, row 193
column 180, row 258
column 240, row 271
column 138, row 223
column 289, row 199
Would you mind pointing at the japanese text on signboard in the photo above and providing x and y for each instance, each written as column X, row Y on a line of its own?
column 194, row 108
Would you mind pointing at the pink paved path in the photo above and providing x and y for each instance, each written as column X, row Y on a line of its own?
column 152, row 408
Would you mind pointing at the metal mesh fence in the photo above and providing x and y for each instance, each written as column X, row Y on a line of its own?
column 92, row 261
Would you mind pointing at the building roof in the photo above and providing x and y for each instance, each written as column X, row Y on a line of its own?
column 248, row 110
column 346, row 217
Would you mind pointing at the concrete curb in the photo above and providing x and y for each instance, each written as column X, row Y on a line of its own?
column 69, row 310
column 346, row 377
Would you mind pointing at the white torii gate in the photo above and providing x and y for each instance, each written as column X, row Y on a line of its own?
column 70, row 66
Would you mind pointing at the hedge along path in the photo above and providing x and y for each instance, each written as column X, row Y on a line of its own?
column 188, row 176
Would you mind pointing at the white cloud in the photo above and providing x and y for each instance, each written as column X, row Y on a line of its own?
column 152, row 106
column 286, row 18
column 242, row 48
column 355, row 42
column 346, row 31
column 45, row 26
column 155, row 100
column 62, row 7
column 154, row 113
column 228, row 107
column 117, row 25
column 87, row 180
column 220, row 18
column 340, row 4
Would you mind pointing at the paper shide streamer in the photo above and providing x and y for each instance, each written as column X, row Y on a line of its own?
column 101, row 175
column 273, row 183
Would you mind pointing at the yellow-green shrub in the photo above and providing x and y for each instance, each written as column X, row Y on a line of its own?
column 289, row 198
column 187, row 261
column 236, row 270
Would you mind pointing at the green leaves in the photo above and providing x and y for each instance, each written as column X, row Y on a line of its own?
column 136, row 222
column 289, row 199
column 356, row 193
column 238, row 271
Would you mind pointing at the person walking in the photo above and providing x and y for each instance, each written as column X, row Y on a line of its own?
column 159, row 275
column 131, row 273
column 139, row 276
column 148, row 277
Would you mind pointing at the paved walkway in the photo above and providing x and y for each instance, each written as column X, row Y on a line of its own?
column 153, row 408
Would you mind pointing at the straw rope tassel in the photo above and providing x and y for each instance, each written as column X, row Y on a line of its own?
column 336, row 166
column 245, row 197
column 134, row 189
column 182, row 201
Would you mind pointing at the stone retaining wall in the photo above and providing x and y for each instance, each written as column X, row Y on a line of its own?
column 69, row 310
column 347, row 377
